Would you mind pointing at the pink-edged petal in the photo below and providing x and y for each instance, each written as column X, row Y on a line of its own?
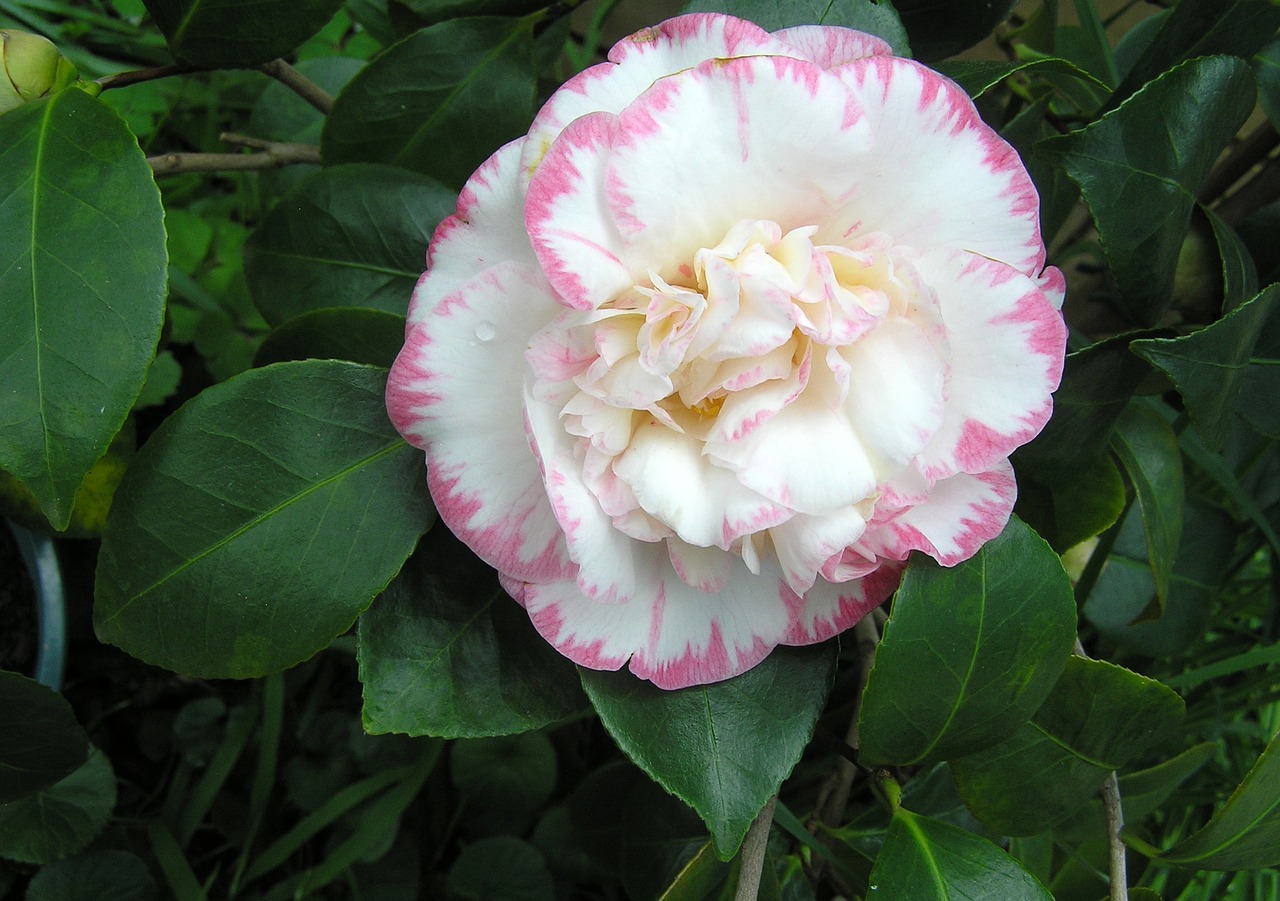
column 487, row 229
column 455, row 391
column 827, row 609
column 636, row 62
column 1007, row 347
column 962, row 513
column 1054, row 285
column 804, row 543
column 937, row 175
column 572, row 232
column 896, row 389
column 752, row 138
column 830, row 47
column 591, row 634
column 677, row 485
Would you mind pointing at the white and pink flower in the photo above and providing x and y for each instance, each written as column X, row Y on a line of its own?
column 744, row 320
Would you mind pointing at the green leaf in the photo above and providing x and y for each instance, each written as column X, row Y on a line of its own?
column 1261, row 386
column 349, row 236
column 870, row 16
column 691, row 740
column 99, row 874
column 969, row 652
column 701, row 878
column 1203, row 28
column 62, row 819
column 1098, row 717
column 440, row 101
column 1245, row 833
column 1097, row 383
column 977, row 76
column 1148, row 450
column 515, row 773
column 259, row 521
column 445, row 651
column 500, row 867
column 237, row 33
column 1069, row 506
column 941, row 28
column 1124, row 594
column 924, row 860
column 1141, row 191
column 1266, row 68
column 40, row 740
column 1239, row 273
column 433, row 11
column 1209, row 366
column 360, row 336
column 82, row 291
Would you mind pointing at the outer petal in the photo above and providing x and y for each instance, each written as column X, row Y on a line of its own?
column 455, row 391
column 782, row 137
column 937, row 175
column 962, row 513
column 1007, row 347
column 675, row 635
column 487, row 229
column 637, row 62
column 572, row 232
column 804, row 543
column 831, row 47
column 828, row 609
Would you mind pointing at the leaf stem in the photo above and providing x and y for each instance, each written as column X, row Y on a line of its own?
column 138, row 76
column 271, row 155
column 304, row 87
column 753, row 848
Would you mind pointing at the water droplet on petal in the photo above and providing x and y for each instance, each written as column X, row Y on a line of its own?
column 485, row 331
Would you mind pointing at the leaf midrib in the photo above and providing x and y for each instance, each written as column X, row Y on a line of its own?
column 253, row 523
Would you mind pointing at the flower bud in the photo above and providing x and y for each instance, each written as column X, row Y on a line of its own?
column 32, row 68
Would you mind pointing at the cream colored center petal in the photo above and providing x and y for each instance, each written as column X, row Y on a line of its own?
column 756, row 403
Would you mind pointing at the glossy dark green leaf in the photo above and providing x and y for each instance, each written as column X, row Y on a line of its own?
column 440, row 101
column 1261, row 386
column 977, row 76
column 350, row 236
column 1239, row 273
column 433, row 11
column 1097, row 383
column 82, row 291
column 1141, row 191
column 349, row 333
column 1209, row 366
column 1098, row 717
column 237, row 33
column 1245, row 833
column 1203, row 28
column 62, row 819
column 1122, row 599
column 924, row 860
column 1148, row 450
column 969, row 652
column 259, row 521
column 1068, row 506
column 99, row 874
column 445, row 651
column 879, row 19
column 1266, row 68
column 941, row 28
column 40, row 740
column 692, row 740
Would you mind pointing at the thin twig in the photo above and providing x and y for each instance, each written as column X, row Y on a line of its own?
column 137, row 76
column 274, row 155
column 1115, row 847
column 304, row 87
column 1260, row 190
column 753, row 848
column 1254, row 148
column 1114, row 815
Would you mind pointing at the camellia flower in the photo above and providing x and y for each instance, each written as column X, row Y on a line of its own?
column 744, row 320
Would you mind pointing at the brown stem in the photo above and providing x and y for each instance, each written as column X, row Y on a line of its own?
column 1257, row 192
column 137, row 76
column 753, row 848
column 1114, row 815
column 1253, row 149
column 273, row 155
column 304, row 87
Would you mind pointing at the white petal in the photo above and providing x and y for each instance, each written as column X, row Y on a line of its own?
column 828, row 609
column 830, row 47
column 455, row 391
column 805, row 543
